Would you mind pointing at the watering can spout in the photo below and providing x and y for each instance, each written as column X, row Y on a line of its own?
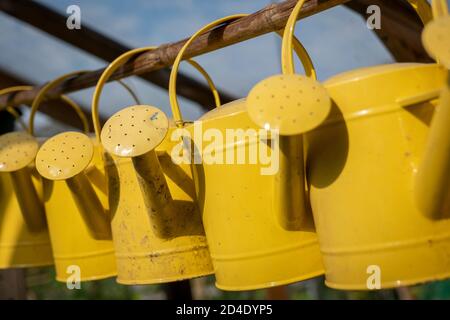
column 65, row 157
column 30, row 204
column 156, row 190
column 290, row 198
column 138, row 139
column 90, row 207
column 290, row 105
column 17, row 151
column 432, row 186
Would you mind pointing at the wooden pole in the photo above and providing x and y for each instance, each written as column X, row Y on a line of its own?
column 400, row 31
column 101, row 46
column 271, row 18
column 52, row 108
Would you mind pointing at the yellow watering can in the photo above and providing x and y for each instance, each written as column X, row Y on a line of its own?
column 250, row 216
column 157, row 229
column 24, row 240
column 364, row 164
column 78, row 224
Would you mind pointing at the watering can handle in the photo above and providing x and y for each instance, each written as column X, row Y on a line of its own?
column 16, row 116
column 63, row 98
column 422, row 8
column 113, row 66
column 440, row 8
column 41, row 96
column 298, row 47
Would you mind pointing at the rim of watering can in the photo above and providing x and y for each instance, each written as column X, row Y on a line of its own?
column 298, row 48
column 116, row 64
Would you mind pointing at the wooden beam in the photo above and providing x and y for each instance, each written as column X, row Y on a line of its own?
column 271, row 18
column 400, row 30
column 101, row 46
column 51, row 108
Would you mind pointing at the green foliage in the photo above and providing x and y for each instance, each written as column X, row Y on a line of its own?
column 42, row 285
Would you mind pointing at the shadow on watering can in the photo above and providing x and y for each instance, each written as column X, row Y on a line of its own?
column 76, row 207
column 321, row 150
column 156, row 225
column 365, row 203
column 254, row 236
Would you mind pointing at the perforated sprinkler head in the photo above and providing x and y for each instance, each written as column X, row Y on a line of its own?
column 292, row 104
column 17, row 152
column 436, row 40
column 134, row 131
column 66, row 157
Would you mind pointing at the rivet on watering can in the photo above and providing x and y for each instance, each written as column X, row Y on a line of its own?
column 17, row 152
column 65, row 157
column 135, row 132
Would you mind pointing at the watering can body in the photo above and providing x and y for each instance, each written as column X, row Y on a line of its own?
column 20, row 247
column 73, row 243
column 151, row 250
column 362, row 163
column 249, row 248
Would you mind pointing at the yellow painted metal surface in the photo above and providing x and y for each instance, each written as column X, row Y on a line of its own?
column 289, row 103
column 73, row 241
column 240, row 206
column 76, row 207
column 24, row 240
column 66, row 156
column 436, row 40
column 20, row 247
column 432, row 185
column 135, row 131
column 157, row 229
column 362, row 165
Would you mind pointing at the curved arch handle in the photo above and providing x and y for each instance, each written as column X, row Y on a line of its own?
column 298, row 48
column 119, row 62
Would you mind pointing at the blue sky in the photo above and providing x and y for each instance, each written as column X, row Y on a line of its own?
column 337, row 40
